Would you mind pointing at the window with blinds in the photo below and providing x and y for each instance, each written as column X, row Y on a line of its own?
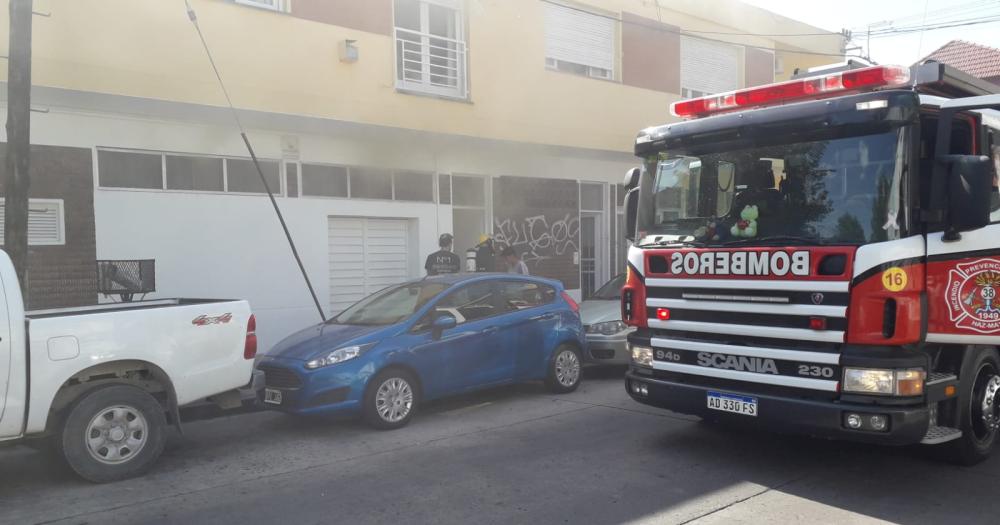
column 579, row 42
column 46, row 226
column 708, row 67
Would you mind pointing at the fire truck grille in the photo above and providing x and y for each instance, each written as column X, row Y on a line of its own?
column 763, row 335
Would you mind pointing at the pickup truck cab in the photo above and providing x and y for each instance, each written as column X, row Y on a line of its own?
column 101, row 383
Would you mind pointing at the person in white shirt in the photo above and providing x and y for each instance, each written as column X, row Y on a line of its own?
column 514, row 262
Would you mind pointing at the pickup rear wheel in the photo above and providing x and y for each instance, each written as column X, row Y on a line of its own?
column 112, row 433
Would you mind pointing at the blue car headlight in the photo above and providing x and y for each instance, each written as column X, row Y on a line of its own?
column 606, row 328
column 337, row 356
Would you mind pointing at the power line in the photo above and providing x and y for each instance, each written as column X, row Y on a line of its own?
column 952, row 23
column 936, row 27
column 687, row 33
column 961, row 14
column 253, row 156
column 937, row 15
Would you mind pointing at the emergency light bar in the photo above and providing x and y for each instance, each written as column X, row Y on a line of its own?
column 818, row 86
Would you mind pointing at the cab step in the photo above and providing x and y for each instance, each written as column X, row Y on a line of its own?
column 937, row 435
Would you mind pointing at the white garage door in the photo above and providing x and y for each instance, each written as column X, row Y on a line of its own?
column 366, row 255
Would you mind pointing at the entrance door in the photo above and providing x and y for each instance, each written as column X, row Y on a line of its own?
column 589, row 261
column 594, row 256
column 366, row 255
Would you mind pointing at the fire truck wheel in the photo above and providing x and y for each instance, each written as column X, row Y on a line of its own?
column 978, row 411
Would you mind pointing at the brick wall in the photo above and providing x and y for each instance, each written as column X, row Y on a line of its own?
column 62, row 275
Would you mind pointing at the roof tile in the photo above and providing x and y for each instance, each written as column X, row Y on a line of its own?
column 975, row 59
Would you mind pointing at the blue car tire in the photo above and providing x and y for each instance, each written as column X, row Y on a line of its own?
column 565, row 370
column 391, row 399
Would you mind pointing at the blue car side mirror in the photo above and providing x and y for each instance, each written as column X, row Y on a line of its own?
column 444, row 322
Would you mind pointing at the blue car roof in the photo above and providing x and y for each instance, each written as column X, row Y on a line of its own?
column 456, row 278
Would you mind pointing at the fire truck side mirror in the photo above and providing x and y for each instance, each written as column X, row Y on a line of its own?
column 632, row 178
column 631, row 213
column 970, row 185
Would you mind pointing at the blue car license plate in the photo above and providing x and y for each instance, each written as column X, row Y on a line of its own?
column 733, row 403
column 272, row 396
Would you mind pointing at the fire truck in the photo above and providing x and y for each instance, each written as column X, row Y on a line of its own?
column 822, row 256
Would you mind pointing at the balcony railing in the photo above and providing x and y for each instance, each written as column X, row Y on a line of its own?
column 431, row 64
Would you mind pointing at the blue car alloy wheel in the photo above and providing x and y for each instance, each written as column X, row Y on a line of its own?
column 390, row 400
column 564, row 372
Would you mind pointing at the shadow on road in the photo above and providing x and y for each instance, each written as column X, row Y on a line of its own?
column 592, row 462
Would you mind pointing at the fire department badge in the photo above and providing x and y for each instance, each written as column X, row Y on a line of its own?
column 971, row 296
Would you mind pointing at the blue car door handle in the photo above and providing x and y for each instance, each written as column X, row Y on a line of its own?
column 461, row 335
column 490, row 331
column 549, row 315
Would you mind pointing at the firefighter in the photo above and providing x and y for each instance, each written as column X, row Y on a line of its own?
column 443, row 260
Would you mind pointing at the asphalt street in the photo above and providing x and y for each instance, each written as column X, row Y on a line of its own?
column 509, row 455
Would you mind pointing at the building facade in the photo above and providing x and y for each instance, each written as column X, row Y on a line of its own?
column 379, row 124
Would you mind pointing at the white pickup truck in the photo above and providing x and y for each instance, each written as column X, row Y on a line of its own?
column 102, row 383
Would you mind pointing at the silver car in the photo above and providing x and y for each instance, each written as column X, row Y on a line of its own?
column 601, row 315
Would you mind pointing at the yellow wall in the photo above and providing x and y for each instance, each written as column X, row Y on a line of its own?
column 279, row 63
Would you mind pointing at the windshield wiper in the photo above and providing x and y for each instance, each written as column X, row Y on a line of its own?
column 776, row 239
column 673, row 243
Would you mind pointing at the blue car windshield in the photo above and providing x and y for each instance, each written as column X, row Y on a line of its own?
column 391, row 305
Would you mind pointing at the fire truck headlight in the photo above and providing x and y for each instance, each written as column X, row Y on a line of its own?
column 642, row 355
column 884, row 382
column 868, row 381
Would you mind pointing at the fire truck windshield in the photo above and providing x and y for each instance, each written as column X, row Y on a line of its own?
column 842, row 190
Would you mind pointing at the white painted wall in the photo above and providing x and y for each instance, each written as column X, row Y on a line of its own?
column 231, row 246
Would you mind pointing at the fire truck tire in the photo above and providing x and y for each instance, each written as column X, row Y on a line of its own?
column 979, row 428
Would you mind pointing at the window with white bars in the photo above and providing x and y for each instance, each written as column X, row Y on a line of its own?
column 430, row 47
column 273, row 5
column 46, row 222
column 579, row 42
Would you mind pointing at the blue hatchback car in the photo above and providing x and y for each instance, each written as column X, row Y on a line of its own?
column 427, row 339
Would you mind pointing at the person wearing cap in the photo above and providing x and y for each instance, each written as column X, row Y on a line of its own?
column 443, row 260
column 514, row 262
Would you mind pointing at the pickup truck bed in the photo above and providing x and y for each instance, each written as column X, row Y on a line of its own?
column 103, row 382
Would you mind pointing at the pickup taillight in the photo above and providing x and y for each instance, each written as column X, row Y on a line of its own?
column 250, row 347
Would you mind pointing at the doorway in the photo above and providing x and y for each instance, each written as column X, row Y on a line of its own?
column 593, row 237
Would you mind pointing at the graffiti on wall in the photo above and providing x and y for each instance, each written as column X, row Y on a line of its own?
column 538, row 238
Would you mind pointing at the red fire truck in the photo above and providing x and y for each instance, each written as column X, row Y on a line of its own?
column 822, row 256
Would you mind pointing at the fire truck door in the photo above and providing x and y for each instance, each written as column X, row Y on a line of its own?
column 963, row 278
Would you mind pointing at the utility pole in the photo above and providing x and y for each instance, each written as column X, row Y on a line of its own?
column 868, row 46
column 18, row 140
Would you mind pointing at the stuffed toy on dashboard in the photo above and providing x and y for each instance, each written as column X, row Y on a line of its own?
column 747, row 225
